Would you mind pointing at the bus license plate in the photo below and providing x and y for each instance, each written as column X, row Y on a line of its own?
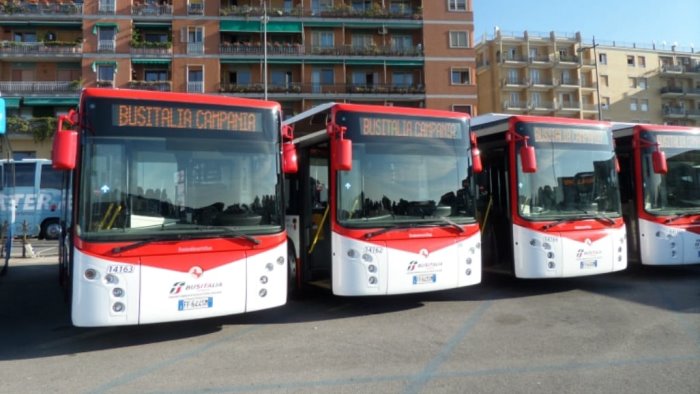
column 589, row 264
column 195, row 303
column 424, row 278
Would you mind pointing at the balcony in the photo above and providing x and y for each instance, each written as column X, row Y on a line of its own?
column 339, row 11
column 55, row 8
column 317, row 88
column 569, row 106
column 195, row 87
column 671, row 91
column 106, row 7
column 151, row 49
column 152, row 10
column 40, row 48
column 105, row 45
column 36, row 87
column 671, row 68
column 238, row 48
column 159, row 86
column 368, row 50
column 195, row 48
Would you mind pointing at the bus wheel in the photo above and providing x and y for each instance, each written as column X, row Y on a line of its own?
column 50, row 229
column 293, row 289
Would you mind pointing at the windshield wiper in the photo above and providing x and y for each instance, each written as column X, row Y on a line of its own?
column 223, row 231
column 604, row 218
column 390, row 228
column 681, row 215
column 591, row 215
column 559, row 221
column 446, row 221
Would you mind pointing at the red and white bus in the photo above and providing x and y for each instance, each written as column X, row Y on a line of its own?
column 174, row 206
column 660, row 188
column 549, row 196
column 383, row 202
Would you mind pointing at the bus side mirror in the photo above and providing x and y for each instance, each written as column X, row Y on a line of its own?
column 289, row 158
column 64, row 152
column 658, row 161
column 528, row 159
column 342, row 154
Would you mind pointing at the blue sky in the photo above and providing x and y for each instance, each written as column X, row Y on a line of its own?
column 623, row 21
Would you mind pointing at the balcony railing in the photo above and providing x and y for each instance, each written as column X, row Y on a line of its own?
column 40, row 48
column 40, row 8
column 160, row 86
column 318, row 88
column 672, row 89
column 106, row 45
column 240, row 48
column 151, row 51
column 672, row 68
column 195, row 87
column 340, row 11
column 195, row 48
column 569, row 105
column 151, row 9
column 195, row 9
column 10, row 87
column 541, row 106
column 106, row 7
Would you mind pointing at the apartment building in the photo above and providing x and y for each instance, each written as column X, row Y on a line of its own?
column 300, row 53
column 558, row 74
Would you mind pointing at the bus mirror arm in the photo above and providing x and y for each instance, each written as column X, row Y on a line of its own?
column 658, row 157
column 65, row 143
column 528, row 158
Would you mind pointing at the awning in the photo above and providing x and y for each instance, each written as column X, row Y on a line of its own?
column 365, row 62
column 150, row 61
column 404, row 63
column 153, row 25
column 11, row 102
column 97, row 63
column 104, row 24
column 256, row 27
column 63, row 101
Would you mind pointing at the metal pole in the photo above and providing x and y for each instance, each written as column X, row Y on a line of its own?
column 597, row 80
column 264, row 22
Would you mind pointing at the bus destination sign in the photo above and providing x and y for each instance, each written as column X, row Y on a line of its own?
column 687, row 141
column 415, row 128
column 570, row 135
column 147, row 116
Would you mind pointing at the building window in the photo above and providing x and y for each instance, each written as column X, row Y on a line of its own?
column 633, row 105
column 604, row 80
column 320, row 6
column 605, row 103
column 281, row 79
column 536, row 99
column 193, row 36
column 642, row 83
column 460, row 76
column 106, row 7
column 462, row 108
column 195, row 7
column 360, row 41
column 457, row 5
column 105, row 73
column 644, row 105
column 195, row 79
column 602, row 58
column 459, row 39
column 402, row 79
column 630, row 60
column 153, row 75
column 105, row 38
column 632, row 82
column 641, row 61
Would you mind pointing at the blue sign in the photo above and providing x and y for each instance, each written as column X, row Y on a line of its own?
column 3, row 118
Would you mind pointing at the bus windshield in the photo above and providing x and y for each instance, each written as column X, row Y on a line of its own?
column 575, row 173
column 165, row 183
column 678, row 191
column 399, row 177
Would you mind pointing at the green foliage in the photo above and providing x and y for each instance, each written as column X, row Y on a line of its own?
column 41, row 129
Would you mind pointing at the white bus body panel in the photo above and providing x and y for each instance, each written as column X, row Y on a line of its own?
column 168, row 295
column 667, row 245
column 356, row 262
column 568, row 258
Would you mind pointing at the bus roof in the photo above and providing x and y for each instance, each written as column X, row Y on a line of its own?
column 189, row 98
column 489, row 119
column 624, row 129
column 315, row 119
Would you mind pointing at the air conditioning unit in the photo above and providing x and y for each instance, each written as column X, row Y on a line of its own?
column 382, row 30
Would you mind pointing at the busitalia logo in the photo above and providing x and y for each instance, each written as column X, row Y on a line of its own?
column 177, row 287
column 412, row 266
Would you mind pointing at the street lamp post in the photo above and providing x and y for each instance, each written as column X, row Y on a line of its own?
column 264, row 19
column 597, row 76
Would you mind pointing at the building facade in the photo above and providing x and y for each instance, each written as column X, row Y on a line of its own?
column 298, row 52
column 558, row 74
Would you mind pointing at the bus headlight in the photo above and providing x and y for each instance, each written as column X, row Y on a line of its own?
column 118, row 307
column 352, row 253
column 550, row 255
column 263, row 279
column 280, row 261
column 468, row 271
column 551, row 265
column 372, row 268
column 111, row 279
column 269, row 266
column 469, row 260
column 372, row 280
column 118, row 292
column 367, row 257
column 262, row 293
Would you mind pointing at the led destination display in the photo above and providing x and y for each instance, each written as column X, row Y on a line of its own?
column 129, row 115
column 416, row 128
